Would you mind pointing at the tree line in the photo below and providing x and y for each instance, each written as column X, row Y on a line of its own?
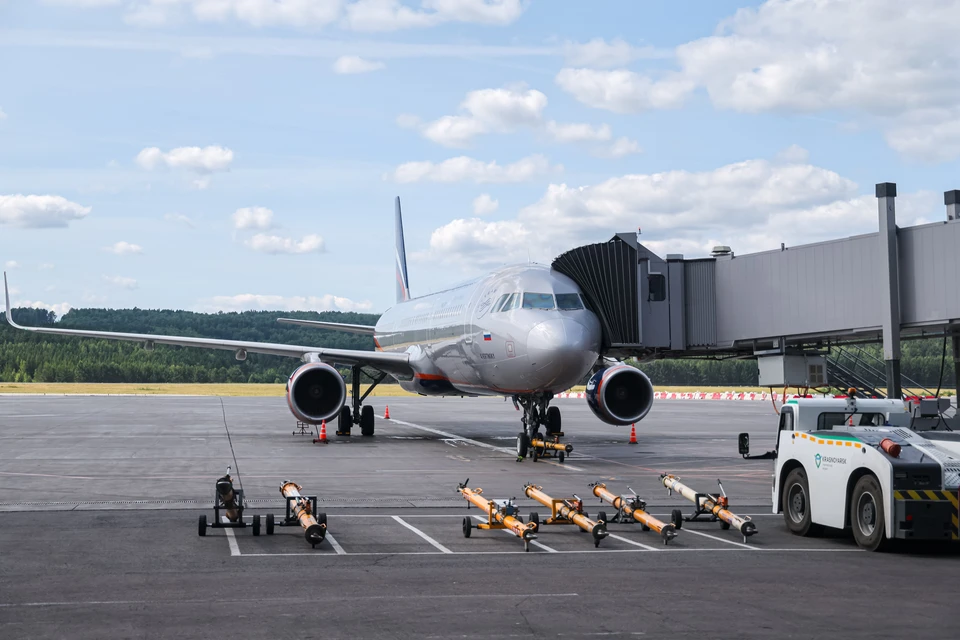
column 28, row 357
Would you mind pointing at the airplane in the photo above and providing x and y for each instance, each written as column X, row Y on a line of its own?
column 525, row 332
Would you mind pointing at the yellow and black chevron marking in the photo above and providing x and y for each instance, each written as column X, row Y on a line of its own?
column 949, row 496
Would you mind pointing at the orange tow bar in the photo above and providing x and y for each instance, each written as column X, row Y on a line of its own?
column 302, row 508
column 714, row 505
column 630, row 508
column 541, row 448
column 566, row 511
column 501, row 514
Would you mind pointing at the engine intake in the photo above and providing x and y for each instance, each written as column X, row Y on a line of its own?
column 620, row 394
column 315, row 392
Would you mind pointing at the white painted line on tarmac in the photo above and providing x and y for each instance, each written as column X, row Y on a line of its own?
column 336, row 545
column 628, row 541
column 477, row 443
column 232, row 541
column 667, row 549
column 35, row 415
column 539, row 545
column 422, row 534
column 707, row 535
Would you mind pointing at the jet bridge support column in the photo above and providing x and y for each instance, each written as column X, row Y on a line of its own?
column 952, row 201
column 890, row 286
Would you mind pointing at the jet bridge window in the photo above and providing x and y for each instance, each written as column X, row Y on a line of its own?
column 657, row 287
column 569, row 302
column 543, row 301
column 827, row 421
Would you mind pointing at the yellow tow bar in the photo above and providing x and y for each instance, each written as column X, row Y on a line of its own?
column 542, row 448
column 500, row 515
column 630, row 508
column 713, row 504
column 301, row 508
column 566, row 511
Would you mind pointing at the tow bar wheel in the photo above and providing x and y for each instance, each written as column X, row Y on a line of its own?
column 867, row 515
column 467, row 526
column 202, row 529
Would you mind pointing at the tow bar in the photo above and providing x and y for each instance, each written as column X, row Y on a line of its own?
column 501, row 514
column 228, row 503
column 631, row 508
column 544, row 448
column 712, row 504
column 565, row 511
column 301, row 509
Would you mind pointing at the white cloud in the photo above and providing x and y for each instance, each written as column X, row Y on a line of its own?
column 485, row 111
column 600, row 54
column 391, row 15
column 462, row 168
column 179, row 217
column 484, row 204
column 124, row 248
column 253, row 218
column 198, row 159
column 60, row 308
column 11, row 264
column 3, row 115
column 255, row 302
column 275, row 244
column 577, row 132
column 201, row 183
column 879, row 61
column 751, row 206
column 46, row 266
column 624, row 91
column 618, row 148
column 120, row 281
column 39, row 211
column 356, row 64
column 794, row 154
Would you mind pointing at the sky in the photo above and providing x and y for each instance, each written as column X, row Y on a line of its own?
column 222, row 155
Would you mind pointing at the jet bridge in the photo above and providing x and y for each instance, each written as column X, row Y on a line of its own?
column 801, row 299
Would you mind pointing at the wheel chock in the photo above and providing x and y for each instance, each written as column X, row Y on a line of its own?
column 567, row 511
column 630, row 508
column 710, row 507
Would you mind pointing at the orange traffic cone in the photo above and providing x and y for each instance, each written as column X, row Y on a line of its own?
column 850, row 424
column 633, row 434
column 386, row 413
column 323, row 433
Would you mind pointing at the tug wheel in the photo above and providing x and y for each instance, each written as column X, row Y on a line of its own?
column 676, row 517
column 256, row 525
column 467, row 526
column 202, row 527
column 796, row 503
column 270, row 524
column 867, row 516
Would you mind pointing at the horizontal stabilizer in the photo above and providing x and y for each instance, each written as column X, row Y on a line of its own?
column 365, row 329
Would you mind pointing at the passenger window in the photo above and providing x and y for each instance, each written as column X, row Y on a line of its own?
column 657, row 287
column 786, row 419
column 543, row 301
column 569, row 302
column 500, row 302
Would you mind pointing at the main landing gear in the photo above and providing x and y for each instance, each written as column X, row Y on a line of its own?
column 360, row 415
column 536, row 413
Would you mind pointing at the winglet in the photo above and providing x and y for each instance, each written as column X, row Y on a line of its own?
column 6, row 294
column 403, row 284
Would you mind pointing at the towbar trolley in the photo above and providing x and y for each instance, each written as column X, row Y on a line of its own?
column 501, row 514
column 709, row 507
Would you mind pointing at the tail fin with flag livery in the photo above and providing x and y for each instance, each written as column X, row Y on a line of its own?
column 403, row 285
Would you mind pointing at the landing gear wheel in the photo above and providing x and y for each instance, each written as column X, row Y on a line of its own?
column 270, row 524
column 553, row 420
column 867, row 516
column 724, row 525
column 202, row 526
column 256, row 525
column 796, row 503
column 676, row 517
column 561, row 456
column 344, row 421
column 467, row 527
column 523, row 444
column 366, row 421
column 602, row 515
column 534, row 519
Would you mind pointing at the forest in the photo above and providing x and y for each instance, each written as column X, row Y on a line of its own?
column 28, row 357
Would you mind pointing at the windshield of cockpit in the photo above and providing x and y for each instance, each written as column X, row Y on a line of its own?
column 539, row 301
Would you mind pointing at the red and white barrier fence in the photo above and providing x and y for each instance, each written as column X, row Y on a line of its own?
column 715, row 395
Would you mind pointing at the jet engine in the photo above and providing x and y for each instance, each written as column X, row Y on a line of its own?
column 315, row 392
column 620, row 394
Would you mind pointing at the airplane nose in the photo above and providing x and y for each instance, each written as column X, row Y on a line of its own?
column 562, row 349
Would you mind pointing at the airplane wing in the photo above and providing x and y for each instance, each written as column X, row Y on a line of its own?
column 394, row 363
column 365, row 329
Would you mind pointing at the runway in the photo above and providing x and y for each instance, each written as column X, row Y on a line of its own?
column 99, row 499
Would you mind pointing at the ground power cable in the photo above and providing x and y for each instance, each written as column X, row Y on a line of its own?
column 236, row 466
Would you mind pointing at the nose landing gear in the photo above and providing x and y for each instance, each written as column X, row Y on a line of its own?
column 536, row 413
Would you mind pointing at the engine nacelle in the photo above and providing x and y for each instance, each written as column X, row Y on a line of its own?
column 620, row 394
column 316, row 392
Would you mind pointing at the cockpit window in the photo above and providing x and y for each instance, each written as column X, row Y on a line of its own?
column 511, row 302
column 538, row 301
column 569, row 302
column 500, row 302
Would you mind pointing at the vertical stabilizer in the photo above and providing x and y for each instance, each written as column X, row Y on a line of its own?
column 403, row 285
